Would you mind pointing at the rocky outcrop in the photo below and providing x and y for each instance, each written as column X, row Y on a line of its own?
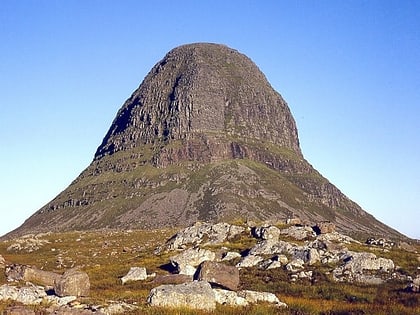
column 194, row 295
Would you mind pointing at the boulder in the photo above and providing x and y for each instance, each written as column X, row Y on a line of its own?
column 295, row 265
column 230, row 298
column 249, row 261
column 324, row 227
column 18, row 272
column 219, row 274
column 186, row 261
column 414, row 286
column 270, row 247
column 230, row 256
column 298, row 232
column 72, row 283
column 358, row 262
column 28, row 295
column 255, row 297
column 135, row 274
column 267, row 232
column 194, row 295
column 203, row 232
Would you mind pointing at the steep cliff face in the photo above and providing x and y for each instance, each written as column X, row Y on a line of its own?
column 204, row 137
column 202, row 89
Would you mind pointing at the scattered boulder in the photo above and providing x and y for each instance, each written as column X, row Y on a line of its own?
column 266, row 232
column 72, row 282
column 17, row 272
column 186, row 261
column 135, row 274
column 298, row 232
column 194, row 295
column 295, row 265
column 414, row 286
column 255, row 297
column 380, row 242
column 230, row 256
column 231, row 298
column 28, row 295
column 249, row 261
column 324, row 227
column 200, row 232
column 219, row 274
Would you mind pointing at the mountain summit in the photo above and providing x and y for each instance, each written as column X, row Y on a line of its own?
column 204, row 137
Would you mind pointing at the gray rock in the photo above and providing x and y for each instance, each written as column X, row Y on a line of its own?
column 72, row 283
column 16, row 272
column 325, row 227
column 231, row 298
column 298, row 232
column 186, row 261
column 28, row 295
column 254, row 297
column 203, row 233
column 358, row 262
column 230, row 256
column 295, row 265
column 269, row 247
column 249, row 261
column 219, row 274
column 267, row 232
column 194, row 295
column 135, row 274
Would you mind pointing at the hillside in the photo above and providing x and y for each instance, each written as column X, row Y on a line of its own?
column 204, row 138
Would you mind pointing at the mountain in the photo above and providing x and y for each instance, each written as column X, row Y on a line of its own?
column 204, row 137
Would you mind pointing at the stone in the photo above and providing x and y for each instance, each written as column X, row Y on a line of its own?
column 273, row 265
column 254, row 297
column 28, row 295
column 17, row 272
column 186, row 261
column 230, row 298
column 267, row 232
column 308, row 255
column 249, row 261
column 2, row 262
column 73, row 282
column 193, row 295
column 135, row 274
column 295, row 265
column 219, row 274
column 203, row 232
column 298, row 232
column 324, row 227
column 230, row 256
column 414, row 286
column 269, row 247
column 358, row 262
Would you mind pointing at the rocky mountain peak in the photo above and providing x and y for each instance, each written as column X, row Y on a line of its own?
column 202, row 89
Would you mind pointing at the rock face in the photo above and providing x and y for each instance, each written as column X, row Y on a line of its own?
column 205, row 137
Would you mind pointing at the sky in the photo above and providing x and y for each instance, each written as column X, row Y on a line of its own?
column 349, row 71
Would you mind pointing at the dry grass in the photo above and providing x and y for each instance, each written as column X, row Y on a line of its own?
column 107, row 255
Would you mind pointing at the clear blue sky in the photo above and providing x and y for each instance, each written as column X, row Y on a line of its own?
column 349, row 70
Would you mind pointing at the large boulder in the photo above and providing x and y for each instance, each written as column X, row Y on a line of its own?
column 17, row 272
column 267, row 232
column 202, row 232
column 28, row 295
column 219, row 274
column 187, row 261
column 227, row 297
column 255, row 297
column 135, row 274
column 72, row 283
column 194, row 295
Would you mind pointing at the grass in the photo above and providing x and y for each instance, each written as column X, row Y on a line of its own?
column 107, row 256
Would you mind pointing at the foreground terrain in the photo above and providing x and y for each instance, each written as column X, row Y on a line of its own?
column 313, row 271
